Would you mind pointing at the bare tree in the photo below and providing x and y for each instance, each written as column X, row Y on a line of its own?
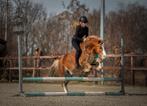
column 94, row 22
column 131, row 22
column 32, row 12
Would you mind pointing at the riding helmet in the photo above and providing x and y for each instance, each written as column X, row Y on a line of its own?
column 83, row 19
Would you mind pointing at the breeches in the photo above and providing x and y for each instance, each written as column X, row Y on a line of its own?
column 76, row 45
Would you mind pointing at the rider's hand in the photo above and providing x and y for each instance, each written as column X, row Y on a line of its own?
column 84, row 39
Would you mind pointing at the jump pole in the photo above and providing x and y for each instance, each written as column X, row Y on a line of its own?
column 72, row 93
column 69, row 79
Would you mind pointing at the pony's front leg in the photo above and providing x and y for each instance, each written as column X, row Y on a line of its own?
column 100, row 66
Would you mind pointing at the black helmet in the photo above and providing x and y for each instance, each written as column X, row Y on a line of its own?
column 83, row 19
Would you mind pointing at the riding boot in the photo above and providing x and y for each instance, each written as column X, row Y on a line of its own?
column 77, row 61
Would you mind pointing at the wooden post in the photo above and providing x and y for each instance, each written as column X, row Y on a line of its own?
column 20, row 65
column 9, row 71
column 122, row 65
column 146, row 80
column 132, row 72
column 34, row 61
column 95, row 75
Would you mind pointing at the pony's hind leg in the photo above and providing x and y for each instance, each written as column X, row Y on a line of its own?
column 65, row 86
column 67, row 74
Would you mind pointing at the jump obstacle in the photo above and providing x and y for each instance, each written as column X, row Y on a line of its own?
column 41, row 79
column 70, row 93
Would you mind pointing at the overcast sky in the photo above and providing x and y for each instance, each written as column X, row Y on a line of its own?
column 55, row 6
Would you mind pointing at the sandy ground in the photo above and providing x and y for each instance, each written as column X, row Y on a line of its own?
column 9, row 91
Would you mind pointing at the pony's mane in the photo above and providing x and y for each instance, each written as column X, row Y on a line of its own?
column 90, row 42
column 92, row 39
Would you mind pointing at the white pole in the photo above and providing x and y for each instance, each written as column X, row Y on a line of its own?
column 19, row 32
column 102, row 20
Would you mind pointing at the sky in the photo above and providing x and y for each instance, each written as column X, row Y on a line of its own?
column 55, row 6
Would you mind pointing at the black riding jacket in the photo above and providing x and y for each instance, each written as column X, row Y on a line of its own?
column 80, row 33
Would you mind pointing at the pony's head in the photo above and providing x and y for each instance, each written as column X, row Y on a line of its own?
column 94, row 45
column 99, row 51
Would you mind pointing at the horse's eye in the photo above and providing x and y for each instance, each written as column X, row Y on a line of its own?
column 99, row 42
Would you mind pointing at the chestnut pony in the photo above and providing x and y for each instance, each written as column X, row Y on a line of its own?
column 65, row 66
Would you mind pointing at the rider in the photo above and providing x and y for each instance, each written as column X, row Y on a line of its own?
column 81, row 33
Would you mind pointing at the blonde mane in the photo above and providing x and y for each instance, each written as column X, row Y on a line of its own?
column 91, row 41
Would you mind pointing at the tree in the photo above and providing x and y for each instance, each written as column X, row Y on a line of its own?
column 129, row 21
column 32, row 12
column 94, row 22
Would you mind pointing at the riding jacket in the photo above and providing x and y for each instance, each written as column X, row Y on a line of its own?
column 80, row 33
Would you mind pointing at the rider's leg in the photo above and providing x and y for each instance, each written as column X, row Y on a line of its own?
column 76, row 45
column 78, row 54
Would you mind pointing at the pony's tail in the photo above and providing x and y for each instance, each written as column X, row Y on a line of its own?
column 53, row 68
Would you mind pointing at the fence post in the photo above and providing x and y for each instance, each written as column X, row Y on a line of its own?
column 20, row 65
column 132, row 72
column 122, row 65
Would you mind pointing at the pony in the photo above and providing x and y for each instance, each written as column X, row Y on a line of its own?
column 65, row 66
